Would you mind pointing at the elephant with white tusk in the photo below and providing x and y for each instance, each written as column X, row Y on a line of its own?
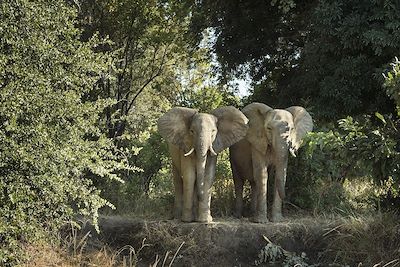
column 272, row 135
column 194, row 140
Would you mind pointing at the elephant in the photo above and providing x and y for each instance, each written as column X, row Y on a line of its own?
column 272, row 135
column 194, row 140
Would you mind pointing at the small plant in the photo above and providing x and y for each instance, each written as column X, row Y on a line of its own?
column 273, row 253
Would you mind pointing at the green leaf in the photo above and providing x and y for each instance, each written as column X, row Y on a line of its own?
column 380, row 116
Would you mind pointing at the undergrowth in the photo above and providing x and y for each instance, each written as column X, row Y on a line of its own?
column 330, row 240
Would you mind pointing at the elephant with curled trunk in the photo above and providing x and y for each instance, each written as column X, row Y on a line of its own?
column 272, row 135
column 194, row 141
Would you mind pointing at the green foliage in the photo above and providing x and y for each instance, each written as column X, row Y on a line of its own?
column 149, row 44
column 199, row 87
column 223, row 187
column 49, row 139
column 325, row 54
column 348, row 46
column 392, row 84
column 256, row 36
column 366, row 148
column 207, row 99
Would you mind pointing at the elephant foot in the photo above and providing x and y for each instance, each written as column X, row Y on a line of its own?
column 277, row 218
column 205, row 218
column 177, row 216
column 259, row 219
column 237, row 214
column 187, row 217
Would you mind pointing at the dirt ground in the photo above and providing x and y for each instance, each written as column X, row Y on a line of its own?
column 225, row 242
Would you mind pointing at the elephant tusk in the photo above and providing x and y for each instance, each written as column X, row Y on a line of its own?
column 292, row 152
column 190, row 152
column 212, row 151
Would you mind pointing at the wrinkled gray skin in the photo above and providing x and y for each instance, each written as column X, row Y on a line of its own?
column 194, row 140
column 272, row 135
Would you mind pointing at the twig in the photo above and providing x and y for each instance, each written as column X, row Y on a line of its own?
column 176, row 253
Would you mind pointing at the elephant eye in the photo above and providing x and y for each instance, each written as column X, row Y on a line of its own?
column 191, row 131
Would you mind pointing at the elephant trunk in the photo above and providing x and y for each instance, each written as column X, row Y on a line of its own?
column 280, row 179
column 202, row 148
column 200, row 173
column 283, row 145
column 281, row 188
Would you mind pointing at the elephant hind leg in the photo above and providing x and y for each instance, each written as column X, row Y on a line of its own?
column 253, row 198
column 189, row 178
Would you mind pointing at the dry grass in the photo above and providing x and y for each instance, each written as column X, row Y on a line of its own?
column 77, row 250
column 74, row 252
column 373, row 240
column 370, row 240
column 49, row 255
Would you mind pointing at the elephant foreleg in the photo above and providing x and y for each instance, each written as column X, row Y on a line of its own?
column 253, row 199
column 178, row 193
column 189, row 177
column 261, row 178
column 195, row 209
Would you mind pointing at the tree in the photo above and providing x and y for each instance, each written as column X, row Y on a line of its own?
column 149, row 42
column 348, row 46
column 324, row 54
column 49, row 135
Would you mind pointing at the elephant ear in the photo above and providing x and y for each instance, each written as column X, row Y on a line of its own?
column 174, row 126
column 257, row 134
column 232, row 127
column 303, row 124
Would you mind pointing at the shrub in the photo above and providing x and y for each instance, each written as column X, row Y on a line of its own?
column 392, row 83
column 48, row 134
column 363, row 149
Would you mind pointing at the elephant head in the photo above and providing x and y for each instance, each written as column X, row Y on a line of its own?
column 275, row 132
column 201, row 134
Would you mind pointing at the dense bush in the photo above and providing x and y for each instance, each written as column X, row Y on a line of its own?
column 392, row 83
column 360, row 153
column 365, row 149
column 48, row 134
